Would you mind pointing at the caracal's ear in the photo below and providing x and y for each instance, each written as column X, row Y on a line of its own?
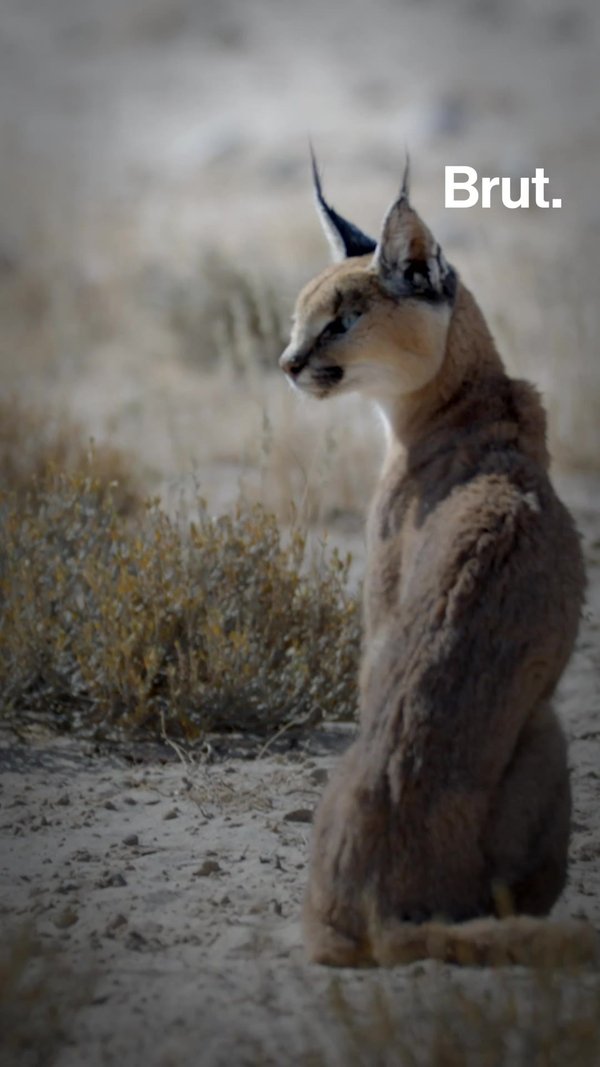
column 345, row 239
column 408, row 259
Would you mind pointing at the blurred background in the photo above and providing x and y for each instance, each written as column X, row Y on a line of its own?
column 156, row 219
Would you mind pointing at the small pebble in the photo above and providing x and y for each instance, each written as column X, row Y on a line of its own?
column 319, row 776
column 112, row 880
column 131, row 839
column 115, row 923
column 67, row 887
column 208, row 867
column 299, row 815
column 65, row 918
column 135, row 940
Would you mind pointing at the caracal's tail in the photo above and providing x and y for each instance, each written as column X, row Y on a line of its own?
column 485, row 942
column 490, row 942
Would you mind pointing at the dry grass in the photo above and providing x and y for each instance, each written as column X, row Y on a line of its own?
column 53, row 315
column 542, row 1018
column 318, row 462
column 182, row 366
column 189, row 372
column 223, row 313
column 39, row 998
column 546, row 320
column 35, row 445
column 111, row 617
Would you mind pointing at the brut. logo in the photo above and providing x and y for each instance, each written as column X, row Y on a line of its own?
column 461, row 189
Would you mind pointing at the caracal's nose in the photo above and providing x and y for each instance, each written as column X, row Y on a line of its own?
column 292, row 362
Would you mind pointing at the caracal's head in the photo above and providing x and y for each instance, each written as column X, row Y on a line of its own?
column 377, row 319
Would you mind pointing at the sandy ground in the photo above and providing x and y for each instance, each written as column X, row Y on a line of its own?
column 171, row 889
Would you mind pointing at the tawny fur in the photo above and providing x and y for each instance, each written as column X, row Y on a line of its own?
column 454, row 802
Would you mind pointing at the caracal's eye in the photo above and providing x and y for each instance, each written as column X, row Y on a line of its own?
column 341, row 324
column 350, row 318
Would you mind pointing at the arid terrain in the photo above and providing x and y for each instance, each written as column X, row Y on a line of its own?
column 169, row 896
column 156, row 221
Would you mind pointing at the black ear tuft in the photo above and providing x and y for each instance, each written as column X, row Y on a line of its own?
column 344, row 237
column 405, row 187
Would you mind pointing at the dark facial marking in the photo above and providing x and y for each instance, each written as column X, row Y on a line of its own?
column 328, row 375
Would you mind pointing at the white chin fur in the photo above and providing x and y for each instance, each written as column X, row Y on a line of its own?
column 306, row 387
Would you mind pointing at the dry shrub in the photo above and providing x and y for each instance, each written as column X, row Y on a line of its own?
column 36, row 444
column 108, row 619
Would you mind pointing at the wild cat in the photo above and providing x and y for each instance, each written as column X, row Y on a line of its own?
column 453, row 804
